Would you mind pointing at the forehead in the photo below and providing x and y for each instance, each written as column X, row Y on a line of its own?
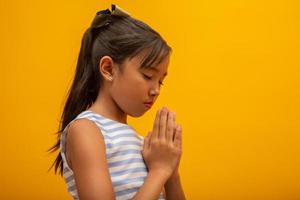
column 151, row 56
column 133, row 64
column 156, row 67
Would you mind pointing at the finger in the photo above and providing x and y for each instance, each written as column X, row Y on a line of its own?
column 175, row 125
column 178, row 137
column 163, row 124
column 174, row 117
column 170, row 127
column 155, row 131
column 147, row 140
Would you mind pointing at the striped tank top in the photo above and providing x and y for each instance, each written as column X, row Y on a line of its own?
column 123, row 153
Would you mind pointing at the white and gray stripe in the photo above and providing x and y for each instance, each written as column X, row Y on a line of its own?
column 123, row 153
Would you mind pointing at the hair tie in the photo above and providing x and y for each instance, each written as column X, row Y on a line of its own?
column 102, row 16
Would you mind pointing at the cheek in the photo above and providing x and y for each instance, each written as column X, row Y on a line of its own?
column 135, row 84
column 130, row 95
column 130, row 91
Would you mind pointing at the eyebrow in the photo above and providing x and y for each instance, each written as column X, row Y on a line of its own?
column 154, row 69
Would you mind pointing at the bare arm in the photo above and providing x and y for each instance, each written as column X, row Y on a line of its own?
column 173, row 188
column 85, row 150
column 152, row 186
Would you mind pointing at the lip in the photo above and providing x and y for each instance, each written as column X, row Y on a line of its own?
column 148, row 104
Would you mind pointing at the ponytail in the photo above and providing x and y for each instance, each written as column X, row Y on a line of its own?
column 82, row 94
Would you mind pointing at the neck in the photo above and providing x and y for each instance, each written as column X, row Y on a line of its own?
column 106, row 106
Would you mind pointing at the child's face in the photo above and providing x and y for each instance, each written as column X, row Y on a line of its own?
column 133, row 87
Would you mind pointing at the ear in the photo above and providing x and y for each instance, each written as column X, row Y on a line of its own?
column 107, row 67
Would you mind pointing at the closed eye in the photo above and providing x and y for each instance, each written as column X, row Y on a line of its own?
column 149, row 78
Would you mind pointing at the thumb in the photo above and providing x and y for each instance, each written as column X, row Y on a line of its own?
column 147, row 140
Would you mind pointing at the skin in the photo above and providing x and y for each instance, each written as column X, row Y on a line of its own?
column 125, row 95
column 131, row 83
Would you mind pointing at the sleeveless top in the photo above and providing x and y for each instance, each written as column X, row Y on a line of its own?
column 123, row 153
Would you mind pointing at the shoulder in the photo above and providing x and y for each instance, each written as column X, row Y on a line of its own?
column 84, row 131
column 84, row 138
column 83, row 125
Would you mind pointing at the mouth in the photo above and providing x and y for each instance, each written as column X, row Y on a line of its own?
column 148, row 104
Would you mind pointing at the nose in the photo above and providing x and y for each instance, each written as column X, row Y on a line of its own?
column 155, row 91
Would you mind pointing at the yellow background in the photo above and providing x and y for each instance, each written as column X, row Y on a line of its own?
column 233, row 81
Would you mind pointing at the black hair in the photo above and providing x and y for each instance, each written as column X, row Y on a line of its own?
column 121, row 38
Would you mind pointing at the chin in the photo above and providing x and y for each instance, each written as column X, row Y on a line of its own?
column 139, row 114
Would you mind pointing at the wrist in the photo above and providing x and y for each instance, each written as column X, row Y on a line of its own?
column 174, row 178
column 175, row 174
column 161, row 174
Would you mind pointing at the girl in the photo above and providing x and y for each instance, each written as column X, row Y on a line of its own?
column 120, row 69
